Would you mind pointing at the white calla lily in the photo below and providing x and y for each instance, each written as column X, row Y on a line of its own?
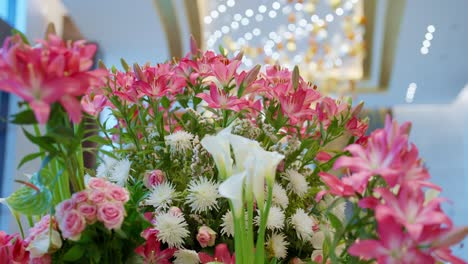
column 218, row 147
column 266, row 163
column 232, row 188
column 243, row 149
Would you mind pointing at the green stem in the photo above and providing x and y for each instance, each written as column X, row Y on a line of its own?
column 260, row 249
column 249, row 244
column 18, row 221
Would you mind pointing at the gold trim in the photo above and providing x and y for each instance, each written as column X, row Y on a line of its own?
column 393, row 18
column 170, row 24
column 369, row 14
column 192, row 11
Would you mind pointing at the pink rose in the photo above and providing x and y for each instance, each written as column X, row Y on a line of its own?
column 97, row 196
column 118, row 193
column 72, row 224
column 111, row 214
column 97, row 183
column 153, row 178
column 175, row 211
column 206, row 236
column 64, row 207
column 80, row 197
column 89, row 212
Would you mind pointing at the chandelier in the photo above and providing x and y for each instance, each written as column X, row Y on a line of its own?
column 325, row 38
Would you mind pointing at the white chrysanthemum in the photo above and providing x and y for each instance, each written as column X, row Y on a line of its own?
column 302, row 223
column 277, row 245
column 172, row 229
column 179, row 142
column 120, row 172
column 228, row 224
column 275, row 219
column 297, row 182
column 202, row 195
column 185, row 256
column 161, row 196
column 280, row 197
column 104, row 169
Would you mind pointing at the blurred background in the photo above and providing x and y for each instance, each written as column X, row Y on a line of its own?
column 407, row 58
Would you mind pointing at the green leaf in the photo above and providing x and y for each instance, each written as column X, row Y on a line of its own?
column 30, row 201
column 25, row 117
column 29, row 157
column 165, row 102
column 23, row 37
column 335, row 222
column 43, row 142
column 74, row 253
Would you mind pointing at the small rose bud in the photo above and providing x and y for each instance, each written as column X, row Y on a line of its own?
column 153, row 178
column 206, row 236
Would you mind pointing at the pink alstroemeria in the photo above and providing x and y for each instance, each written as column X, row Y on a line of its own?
column 409, row 209
column 54, row 71
column 219, row 99
column 393, row 246
column 222, row 255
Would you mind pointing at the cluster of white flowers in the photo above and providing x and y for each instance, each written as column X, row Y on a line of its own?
column 277, row 245
column 202, row 195
column 279, row 197
column 172, row 229
column 116, row 171
column 161, row 196
column 297, row 182
column 179, row 142
column 228, row 224
column 303, row 224
column 275, row 220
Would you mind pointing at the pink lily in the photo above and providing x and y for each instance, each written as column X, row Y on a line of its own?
column 225, row 72
column 393, row 246
column 220, row 100
column 342, row 188
column 151, row 251
column 408, row 209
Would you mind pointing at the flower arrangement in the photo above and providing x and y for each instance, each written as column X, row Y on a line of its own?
column 200, row 162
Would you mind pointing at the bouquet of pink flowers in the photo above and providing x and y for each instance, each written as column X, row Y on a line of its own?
column 201, row 162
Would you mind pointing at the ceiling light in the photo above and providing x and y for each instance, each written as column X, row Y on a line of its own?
column 245, row 21
column 262, row 9
column 222, row 8
column 424, row 50
column 429, row 36
column 276, row 5
column 431, row 28
column 426, row 43
column 258, row 17
column 411, row 92
column 234, row 25
column 256, row 31
column 339, row 11
column 231, row 3
column 214, row 14
column 329, row 18
column 237, row 17
column 249, row 12
column 207, row 20
column 272, row 14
